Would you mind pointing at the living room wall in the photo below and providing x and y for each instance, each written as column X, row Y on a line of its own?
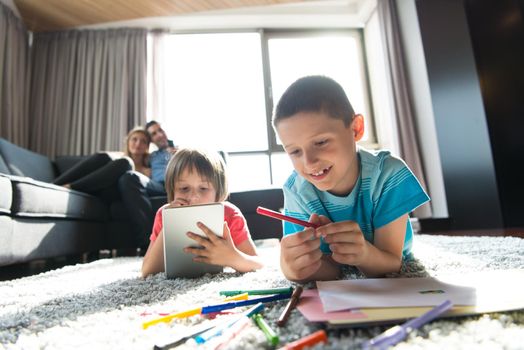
column 479, row 142
column 497, row 35
column 471, row 60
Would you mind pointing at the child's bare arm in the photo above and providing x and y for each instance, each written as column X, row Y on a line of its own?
column 349, row 246
column 154, row 259
column 247, row 258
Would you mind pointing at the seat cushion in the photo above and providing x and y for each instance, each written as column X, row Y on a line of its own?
column 6, row 196
column 22, row 162
column 33, row 198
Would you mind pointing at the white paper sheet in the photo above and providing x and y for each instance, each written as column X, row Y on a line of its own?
column 391, row 292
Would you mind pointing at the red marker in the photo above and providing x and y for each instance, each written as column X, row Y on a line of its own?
column 276, row 215
column 307, row 341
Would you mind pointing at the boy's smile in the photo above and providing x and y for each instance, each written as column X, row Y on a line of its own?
column 323, row 149
column 321, row 174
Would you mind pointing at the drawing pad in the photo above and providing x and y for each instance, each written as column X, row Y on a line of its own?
column 177, row 222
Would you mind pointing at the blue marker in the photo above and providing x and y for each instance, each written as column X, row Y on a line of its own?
column 213, row 332
column 224, row 306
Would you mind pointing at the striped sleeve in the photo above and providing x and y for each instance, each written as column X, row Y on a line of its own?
column 398, row 192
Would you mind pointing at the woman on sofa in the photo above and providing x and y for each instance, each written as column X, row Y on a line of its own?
column 98, row 174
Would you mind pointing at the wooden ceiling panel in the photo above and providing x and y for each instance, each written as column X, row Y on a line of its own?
column 49, row 15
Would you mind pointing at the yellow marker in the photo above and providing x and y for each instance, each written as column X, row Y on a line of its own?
column 168, row 318
column 243, row 296
column 189, row 313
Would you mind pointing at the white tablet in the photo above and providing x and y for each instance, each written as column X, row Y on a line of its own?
column 177, row 222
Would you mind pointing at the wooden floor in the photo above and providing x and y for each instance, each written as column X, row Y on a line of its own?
column 39, row 266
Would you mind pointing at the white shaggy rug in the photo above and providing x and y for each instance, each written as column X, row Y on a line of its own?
column 102, row 305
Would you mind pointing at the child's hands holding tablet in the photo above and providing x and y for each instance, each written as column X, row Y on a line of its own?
column 184, row 232
column 213, row 249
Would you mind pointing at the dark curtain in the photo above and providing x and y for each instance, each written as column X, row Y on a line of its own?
column 14, row 78
column 88, row 89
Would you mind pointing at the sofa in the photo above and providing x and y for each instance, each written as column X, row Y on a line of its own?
column 39, row 220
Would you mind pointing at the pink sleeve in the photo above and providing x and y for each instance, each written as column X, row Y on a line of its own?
column 157, row 225
column 236, row 222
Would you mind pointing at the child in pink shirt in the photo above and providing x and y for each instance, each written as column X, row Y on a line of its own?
column 197, row 177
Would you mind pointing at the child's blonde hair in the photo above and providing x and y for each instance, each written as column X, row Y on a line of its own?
column 208, row 165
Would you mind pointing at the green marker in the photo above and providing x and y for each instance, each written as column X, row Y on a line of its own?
column 270, row 334
column 229, row 293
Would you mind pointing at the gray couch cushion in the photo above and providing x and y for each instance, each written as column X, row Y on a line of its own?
column 23, row 162
column 6, row 194
column 33, row 198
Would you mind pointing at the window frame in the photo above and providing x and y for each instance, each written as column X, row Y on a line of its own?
column 267, row 34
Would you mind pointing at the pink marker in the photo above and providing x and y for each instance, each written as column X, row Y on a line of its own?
column 276, row 215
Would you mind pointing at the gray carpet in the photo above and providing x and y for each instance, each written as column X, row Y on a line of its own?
column 102, row 304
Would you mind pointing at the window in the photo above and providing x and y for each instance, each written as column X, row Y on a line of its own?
column 220, row 90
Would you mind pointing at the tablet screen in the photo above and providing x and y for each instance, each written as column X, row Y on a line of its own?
column 177, row 222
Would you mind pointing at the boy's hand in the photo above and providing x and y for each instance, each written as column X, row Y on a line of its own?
column 217, row 250
column 300, row 254
column 346, row 241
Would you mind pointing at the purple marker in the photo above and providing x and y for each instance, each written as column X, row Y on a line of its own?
column 395, row 334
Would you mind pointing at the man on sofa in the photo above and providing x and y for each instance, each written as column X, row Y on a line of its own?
column 159, row 158
column 138, row 190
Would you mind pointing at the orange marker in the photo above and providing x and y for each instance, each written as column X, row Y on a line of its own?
column 310, row 340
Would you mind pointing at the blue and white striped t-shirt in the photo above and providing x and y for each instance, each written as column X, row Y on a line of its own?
column 385, row 190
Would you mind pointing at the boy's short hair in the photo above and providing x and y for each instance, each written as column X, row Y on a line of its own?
column 314, row 93
column 208, row 165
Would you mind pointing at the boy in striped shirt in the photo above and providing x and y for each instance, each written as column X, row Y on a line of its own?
column 359, row 199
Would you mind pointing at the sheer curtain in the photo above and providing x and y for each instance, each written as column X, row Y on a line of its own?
column 88, row 89
column 14, row 78
column 408, row 140
column 156, row 82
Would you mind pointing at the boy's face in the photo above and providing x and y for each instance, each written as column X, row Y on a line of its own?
column 191, row 189
column 323, row 149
